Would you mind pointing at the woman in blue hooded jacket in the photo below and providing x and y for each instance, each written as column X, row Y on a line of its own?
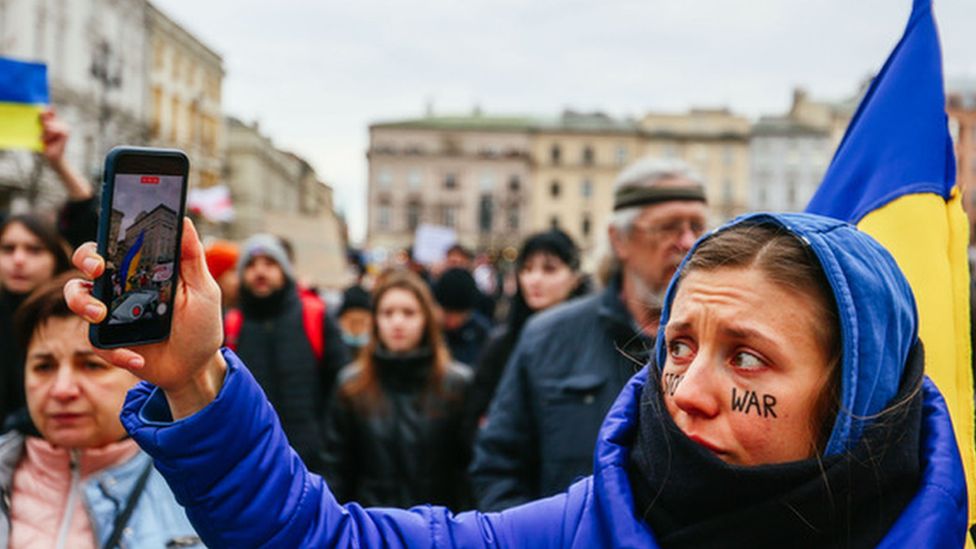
column 786, row 406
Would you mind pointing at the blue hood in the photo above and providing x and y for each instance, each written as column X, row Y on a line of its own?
column 879, row 321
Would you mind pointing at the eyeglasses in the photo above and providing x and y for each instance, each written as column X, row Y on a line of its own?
column 673, row 229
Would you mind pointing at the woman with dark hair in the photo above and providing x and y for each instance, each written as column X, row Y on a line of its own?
column 785, row 405
column 31, row 253
column 548, row 273
column 393, row 435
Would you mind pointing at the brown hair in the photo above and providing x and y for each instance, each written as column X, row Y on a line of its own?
column 790, row 263
column 45, row 302
column 365, row 386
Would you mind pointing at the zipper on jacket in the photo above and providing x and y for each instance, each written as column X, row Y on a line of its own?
column 69, row 507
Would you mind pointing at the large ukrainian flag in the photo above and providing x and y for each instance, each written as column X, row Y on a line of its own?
column 23, row 96
column 894, row 176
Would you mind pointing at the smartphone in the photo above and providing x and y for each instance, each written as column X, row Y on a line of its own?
column 139, row 232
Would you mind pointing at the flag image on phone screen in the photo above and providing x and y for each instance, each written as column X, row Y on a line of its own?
column 141, row 252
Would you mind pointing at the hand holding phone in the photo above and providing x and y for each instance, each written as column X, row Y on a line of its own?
column 143, row 197
column 188, row 365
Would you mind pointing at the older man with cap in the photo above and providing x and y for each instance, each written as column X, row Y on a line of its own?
column 571, row 361
column 271, row 332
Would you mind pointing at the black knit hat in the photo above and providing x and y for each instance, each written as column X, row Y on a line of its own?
column 553, row 242
column 456, row 290
column 354, row 297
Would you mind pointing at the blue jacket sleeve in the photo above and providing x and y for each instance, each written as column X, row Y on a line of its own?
column 231, row 467
column 505, row 470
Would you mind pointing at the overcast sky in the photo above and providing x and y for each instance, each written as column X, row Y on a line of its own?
column 316, row 74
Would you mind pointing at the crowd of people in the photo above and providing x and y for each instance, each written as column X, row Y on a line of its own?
column 705, row 388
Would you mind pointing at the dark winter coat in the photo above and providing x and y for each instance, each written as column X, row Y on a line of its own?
column 273, row 342
column 408, row 448
column 565, row 372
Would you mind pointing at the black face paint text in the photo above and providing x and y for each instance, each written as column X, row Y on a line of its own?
column 749, row 400
column 671, row 382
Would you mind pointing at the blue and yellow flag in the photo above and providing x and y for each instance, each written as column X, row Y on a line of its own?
column 131, row 262
column 894, row 176
column 23, row 96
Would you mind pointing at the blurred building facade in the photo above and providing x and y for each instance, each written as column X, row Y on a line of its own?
column 787, row 162
column 575, row 159
column 185, row 83
column 278, row 192
column 469, row 173
column 495, row 179
column 97, row 69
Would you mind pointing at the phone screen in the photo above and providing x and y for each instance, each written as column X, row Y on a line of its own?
column 142, row 247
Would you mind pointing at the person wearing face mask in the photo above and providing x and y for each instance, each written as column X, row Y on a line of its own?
column 785, row 406
column 355, row 318
column 69, row 474
column 548, row 274
column 571, row 361
column 31, row 253
column 394, row 430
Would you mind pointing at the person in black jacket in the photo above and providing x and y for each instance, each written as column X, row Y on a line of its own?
column 272, row 339
column 548, row 270
column 572, row 360
column 394, row 435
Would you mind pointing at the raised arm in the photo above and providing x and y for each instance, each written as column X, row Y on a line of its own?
column 219, row 444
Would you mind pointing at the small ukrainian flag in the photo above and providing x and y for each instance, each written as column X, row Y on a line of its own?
column 23, row 96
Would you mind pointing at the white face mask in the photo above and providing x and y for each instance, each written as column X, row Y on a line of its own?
column 355, row 341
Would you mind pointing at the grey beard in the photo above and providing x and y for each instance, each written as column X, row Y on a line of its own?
column 652, row 301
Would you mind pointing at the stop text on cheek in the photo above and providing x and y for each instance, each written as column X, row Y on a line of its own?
column 746, row 401
column 671, row 382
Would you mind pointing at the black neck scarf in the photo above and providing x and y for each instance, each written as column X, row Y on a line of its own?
column 268, row 306
column 690, row 498
column 408, row 371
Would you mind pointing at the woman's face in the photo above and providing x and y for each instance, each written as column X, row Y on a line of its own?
column 744, row 368
column 400, row 320
column 74, row 397
column 24, row 261
column 545, row 280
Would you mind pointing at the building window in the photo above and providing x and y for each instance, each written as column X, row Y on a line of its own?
column 622, row 155
column 728, row 192
column 383, row 217
column 791, row 194
column 450, row 181
column 554, row 222
column 555, row 154
column 554, row 189
column 514, row 183
column 385, row 179
column 586, row 188
column 588, row 156
column 585, row 225
column 487, row 182
column 762, row 195
column 413, row 215
column 485, row 213
column 449, row 216
column 670, row 151
column 415, row 180
column 513, row 219
column 727, row 155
